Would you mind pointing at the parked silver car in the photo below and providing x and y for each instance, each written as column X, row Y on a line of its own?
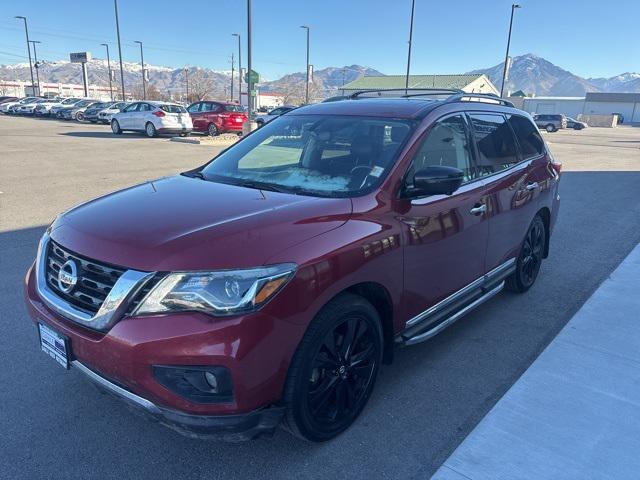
column 550, row 122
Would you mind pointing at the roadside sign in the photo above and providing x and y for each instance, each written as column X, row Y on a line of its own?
column 80, row 57
column 310, row 73
column 255, row 77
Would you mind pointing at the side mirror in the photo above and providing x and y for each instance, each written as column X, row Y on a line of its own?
column 437, row 180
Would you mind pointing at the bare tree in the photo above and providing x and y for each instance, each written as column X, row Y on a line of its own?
column 294, row 93
column 201, row 85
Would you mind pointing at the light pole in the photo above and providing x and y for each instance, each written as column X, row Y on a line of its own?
column 186, row 78
column 106, row 45
column 506, row 57
column 406, row 81
column 232, row 77
column 144, row 86
column 26, row 31
column 249, row 72
column 115, row 4
column 36, row 64
column 306, row 95
column 239, row 68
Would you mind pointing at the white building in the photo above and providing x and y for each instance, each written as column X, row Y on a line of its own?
column 625, row 104
column 23, row 89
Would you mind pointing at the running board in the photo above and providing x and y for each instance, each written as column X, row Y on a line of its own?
column 453, row 318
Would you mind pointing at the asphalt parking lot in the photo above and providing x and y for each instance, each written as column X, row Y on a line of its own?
column 53, row 423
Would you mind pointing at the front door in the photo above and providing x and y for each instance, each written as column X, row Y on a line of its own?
column 197, row 117
column 125, row 118
column 445, row 237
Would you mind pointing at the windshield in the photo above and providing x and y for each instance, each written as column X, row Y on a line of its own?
column 233, row 108
column 30, row 100
column 173, row 108
column 83, row 103
column 68, row 101
column 316, row 155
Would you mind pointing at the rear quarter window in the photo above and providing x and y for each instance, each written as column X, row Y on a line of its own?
column 528, row 136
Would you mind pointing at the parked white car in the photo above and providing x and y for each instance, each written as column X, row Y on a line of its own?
column 45, row 109
column 153, row 118
column 104, row 116
column 4, row 107
column 275, row 113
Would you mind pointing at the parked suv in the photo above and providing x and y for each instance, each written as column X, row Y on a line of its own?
column 214, row 118
column 270, row 284
column 551, row 123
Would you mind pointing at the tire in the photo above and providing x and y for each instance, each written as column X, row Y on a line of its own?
column 530, row 258
column 550, row 128
column 150, row 130
column 115, row 127
column 328, row 385
column 79, row 117
column 212, row 130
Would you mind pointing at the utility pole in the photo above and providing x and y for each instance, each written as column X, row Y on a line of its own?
column 115, row 4
column 249, row 71
column 506, row 57
column 232, row 65
column 406, row 82
column 306, row 96
column 36, row 64
column 239, row 68
column 26, row 31
column 144, row 86
column 186, row 77
column 106, row 45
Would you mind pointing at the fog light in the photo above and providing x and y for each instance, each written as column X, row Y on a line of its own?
column 195, row 383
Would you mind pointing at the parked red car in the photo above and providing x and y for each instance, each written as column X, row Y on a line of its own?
column 269, row 285
column 213, row 118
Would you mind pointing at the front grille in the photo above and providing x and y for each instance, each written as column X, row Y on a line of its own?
column 95, row 279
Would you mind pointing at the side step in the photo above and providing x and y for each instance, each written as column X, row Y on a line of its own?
column 421, row 337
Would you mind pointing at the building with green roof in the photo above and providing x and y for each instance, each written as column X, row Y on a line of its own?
column 471, row 83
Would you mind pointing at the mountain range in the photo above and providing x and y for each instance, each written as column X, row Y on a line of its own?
column 529, row 73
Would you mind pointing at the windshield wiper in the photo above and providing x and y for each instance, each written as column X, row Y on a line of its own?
column 194, row 175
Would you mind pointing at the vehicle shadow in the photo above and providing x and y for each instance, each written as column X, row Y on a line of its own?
column 109, row 134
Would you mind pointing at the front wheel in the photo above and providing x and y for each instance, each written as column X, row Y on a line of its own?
column 150, row 130
column 79, row 117
column 212, row 130
column 530, row 258
column 115, row 127
column 334, row 369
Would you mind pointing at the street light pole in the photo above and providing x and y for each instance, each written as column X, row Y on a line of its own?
column 35, row 59
column 144, row 86
column 239, row 68
column 306, row 96
column 115, row 4
column 506, row 57
column 406, row 82
column 249, row 79
column 26, row 31
column 232, row 78
column 186, row 78
column 106, row 45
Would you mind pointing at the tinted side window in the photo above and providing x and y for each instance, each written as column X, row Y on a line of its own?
column 446, row 144
column 132, row 108
column 528, row 135
column 496, row 145
column 194, row 108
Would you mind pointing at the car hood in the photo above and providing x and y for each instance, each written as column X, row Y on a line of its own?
column 182, row 223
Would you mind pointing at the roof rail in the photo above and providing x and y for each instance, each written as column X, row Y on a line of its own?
column 404, row 92
column 481, row 97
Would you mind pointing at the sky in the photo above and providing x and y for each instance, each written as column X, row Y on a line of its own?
column 591, row 38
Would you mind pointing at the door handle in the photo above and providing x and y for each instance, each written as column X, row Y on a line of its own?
column 532, row 186
column 478, row 209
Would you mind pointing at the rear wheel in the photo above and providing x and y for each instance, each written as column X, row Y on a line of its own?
column 79, row 116
column 530, row 258
column 150, row 130
column 115, row 127
column 550, row 128
column 334, row 369
column 212, row 130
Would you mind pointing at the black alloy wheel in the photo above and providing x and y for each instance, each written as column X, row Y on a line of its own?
column 530, row 259
column 334, row 369
column 212, row 130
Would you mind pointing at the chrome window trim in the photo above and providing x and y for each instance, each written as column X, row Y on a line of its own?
column 113, row 307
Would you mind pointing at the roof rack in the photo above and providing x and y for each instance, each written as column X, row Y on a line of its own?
column 452, row 95
column 404, row 92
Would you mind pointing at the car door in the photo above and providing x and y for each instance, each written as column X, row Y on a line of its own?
column 125, row 118
column 513, row 183
column 196, row 116
column 141, row 116
column 445, row 237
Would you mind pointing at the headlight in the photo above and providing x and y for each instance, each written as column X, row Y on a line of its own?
column 225, row 292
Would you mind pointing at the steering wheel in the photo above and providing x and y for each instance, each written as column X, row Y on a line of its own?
column 360, row 167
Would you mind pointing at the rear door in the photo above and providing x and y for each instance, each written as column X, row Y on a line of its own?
column 445, row 237
column 140, row 118
column 512, row 176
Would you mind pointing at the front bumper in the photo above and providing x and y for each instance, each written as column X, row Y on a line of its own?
column 231, row 428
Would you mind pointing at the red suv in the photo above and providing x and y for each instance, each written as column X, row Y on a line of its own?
column 269, row 285
column 214, row 118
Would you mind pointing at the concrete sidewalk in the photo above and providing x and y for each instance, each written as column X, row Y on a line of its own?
column 575, row 413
